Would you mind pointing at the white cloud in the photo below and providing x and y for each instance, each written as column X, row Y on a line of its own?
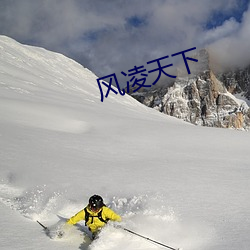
column 232, row 50
column 98, row 34
column 226, row 29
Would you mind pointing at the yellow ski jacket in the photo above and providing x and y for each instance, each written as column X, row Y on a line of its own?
column 94, row 223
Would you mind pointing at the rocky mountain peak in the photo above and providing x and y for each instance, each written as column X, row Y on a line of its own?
column 203, row 64
column 203, row 98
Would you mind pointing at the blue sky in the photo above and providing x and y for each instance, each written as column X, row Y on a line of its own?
column 115, row 35
column 218, row 17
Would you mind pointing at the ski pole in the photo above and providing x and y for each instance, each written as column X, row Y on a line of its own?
column 146, row 238
column 45, row 228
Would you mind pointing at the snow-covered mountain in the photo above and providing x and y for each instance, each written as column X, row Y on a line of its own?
column 182, row 185
column 237, row 81
column 205, row 97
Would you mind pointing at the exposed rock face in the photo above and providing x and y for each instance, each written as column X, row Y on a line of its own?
column 202, row 99
column 237, row 81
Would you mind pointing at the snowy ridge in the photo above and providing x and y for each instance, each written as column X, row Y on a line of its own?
column 182, row 185
column 37, row 72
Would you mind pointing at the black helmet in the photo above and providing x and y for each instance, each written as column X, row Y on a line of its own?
column 96, row 202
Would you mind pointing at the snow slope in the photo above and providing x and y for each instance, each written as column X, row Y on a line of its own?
column 176, row 183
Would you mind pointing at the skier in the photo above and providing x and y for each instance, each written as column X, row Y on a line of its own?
column 95, row 214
